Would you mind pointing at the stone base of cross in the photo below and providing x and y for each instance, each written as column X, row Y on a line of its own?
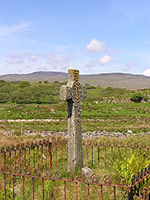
column 73, row 92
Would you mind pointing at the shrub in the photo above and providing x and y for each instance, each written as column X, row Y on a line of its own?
column 129, row 167
column 2, row 82
column 24, row 84
column 4, row 98
column 137, row 97
column 46, row 82
column 88, row 86
column 56, row 82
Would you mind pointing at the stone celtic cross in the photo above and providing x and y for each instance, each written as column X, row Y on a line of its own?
column 73, row 92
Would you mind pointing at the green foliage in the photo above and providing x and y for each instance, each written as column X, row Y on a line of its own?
column 64, row 83
column 8, row 193
column 25, row 93
column 129, row 167
column 46, row 82
column 56, row 82
column 2, row 82
column 4, row 98
column 48, row 189
column 88, row 86
column 109, row 107
column 14, row 82
column 24, row 84
column 110, row 117
column 137, row 97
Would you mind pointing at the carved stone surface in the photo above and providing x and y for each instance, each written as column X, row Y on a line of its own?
column 73, row 92
column 87, row 172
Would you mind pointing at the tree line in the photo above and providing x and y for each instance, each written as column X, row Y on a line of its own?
column 24, row 92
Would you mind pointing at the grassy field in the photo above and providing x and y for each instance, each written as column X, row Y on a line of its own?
column 105, row 109
column 110, row 110
column 105, row 116
column 99, row 168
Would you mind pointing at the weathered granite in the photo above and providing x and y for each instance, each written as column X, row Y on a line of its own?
column 73, row 92
column 87, row 172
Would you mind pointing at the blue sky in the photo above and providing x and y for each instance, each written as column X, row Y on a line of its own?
column 94, row 36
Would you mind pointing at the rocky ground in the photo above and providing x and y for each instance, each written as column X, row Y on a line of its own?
column 93, row 134
column 86, row 135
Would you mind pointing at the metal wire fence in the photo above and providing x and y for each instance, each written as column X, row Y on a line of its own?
column 38, row 170
column 27, row 156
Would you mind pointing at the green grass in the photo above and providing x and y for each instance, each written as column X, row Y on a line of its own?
column 112, row 117
column 99, row 168
column 111, row 107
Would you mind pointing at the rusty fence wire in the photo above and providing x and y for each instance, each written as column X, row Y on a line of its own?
column 39, row 154
column 99, row 153
column 27, row 156
column 104, row 154
column 59, row 185
column 38, row 170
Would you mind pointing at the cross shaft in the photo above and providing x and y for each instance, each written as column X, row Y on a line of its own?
column 73, row 92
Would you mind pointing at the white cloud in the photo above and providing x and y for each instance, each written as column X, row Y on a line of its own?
column 59, row 61
column 105, row 60
column 54, row 58
column 33, row 57
column 95, row 45
column 129, row 66
column 14, row 58
column 8, row 31
column 90, row 64
column 146, row 72
column 113, row 51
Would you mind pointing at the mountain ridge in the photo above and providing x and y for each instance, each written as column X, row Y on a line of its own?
column 118, row 80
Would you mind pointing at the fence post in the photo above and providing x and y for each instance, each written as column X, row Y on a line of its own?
column 130, row 193
column 50, row 154
column 4, row 160
column 5, row 197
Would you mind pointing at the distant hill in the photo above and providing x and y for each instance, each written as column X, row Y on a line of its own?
column 116, row 80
